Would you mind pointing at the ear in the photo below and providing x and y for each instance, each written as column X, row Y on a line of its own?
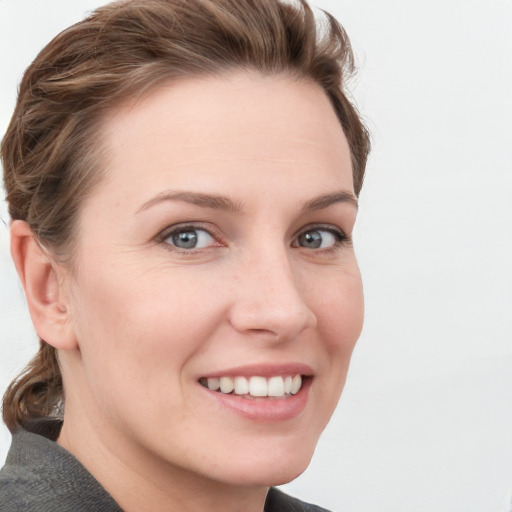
column 43, row 288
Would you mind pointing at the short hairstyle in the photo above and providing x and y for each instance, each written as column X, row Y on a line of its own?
column 50, row 152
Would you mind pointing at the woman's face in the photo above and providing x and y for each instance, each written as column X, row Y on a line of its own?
column 217, row 251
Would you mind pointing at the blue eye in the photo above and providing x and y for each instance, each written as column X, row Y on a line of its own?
column 319, row 238
column 189, row 238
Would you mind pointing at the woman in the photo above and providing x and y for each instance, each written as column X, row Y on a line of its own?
column 182, row 179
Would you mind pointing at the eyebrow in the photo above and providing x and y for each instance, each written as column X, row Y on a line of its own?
column 321, row 202
column 223, row 203
column 213, row 201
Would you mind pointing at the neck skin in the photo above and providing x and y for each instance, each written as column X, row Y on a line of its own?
column 142, row 482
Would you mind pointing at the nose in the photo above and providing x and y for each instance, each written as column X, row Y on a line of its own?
column 268, row 301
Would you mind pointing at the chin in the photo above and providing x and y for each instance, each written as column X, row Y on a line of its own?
column 277, row 468
column 266, row 476
column 285, row 476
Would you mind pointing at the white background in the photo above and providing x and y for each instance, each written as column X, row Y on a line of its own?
column 425, row 421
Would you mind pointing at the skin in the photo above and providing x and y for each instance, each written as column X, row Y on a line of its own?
column 141, row 320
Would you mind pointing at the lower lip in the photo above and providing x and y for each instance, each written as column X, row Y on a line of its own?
column 264, row 410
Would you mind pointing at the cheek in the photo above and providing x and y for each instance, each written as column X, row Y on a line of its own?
column 339, row 308
column 340, row 316
column 141, row 321
column 136, row 339
column 340, row 312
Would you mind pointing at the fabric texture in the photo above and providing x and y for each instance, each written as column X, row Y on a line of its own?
column 41, row 476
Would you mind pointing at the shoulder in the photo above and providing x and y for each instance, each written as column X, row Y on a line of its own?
column 278, row 501
column 9, row 498
column 21, row 481
column 21, row 490
column 41, row 476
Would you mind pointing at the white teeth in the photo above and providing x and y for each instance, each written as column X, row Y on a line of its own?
column 213, row 384
column 296, row 384
column 226, row 385
column 276, row 386
column 241, row 386
column 288, row 385
column 256, row 386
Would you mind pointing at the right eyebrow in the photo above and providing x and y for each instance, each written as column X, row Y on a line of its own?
column 213, row 201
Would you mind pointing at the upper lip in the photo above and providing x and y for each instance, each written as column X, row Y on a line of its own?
column 263, row 370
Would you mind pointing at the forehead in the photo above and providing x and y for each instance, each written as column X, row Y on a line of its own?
column 244, row 124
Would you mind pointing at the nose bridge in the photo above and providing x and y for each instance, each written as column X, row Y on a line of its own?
column 268, row 298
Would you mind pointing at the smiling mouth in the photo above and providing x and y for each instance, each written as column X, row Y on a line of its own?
column 255, row 387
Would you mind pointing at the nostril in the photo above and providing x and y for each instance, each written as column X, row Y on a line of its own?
column 277, row 324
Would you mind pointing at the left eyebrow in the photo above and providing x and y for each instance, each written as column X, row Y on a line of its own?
column 327, row 200
column 213, row 201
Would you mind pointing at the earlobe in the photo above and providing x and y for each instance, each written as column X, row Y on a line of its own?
column 45, row 298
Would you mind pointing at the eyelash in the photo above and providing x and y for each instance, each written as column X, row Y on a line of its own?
column 341, row 238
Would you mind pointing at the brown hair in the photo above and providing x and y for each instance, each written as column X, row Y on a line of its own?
column 124, row 49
